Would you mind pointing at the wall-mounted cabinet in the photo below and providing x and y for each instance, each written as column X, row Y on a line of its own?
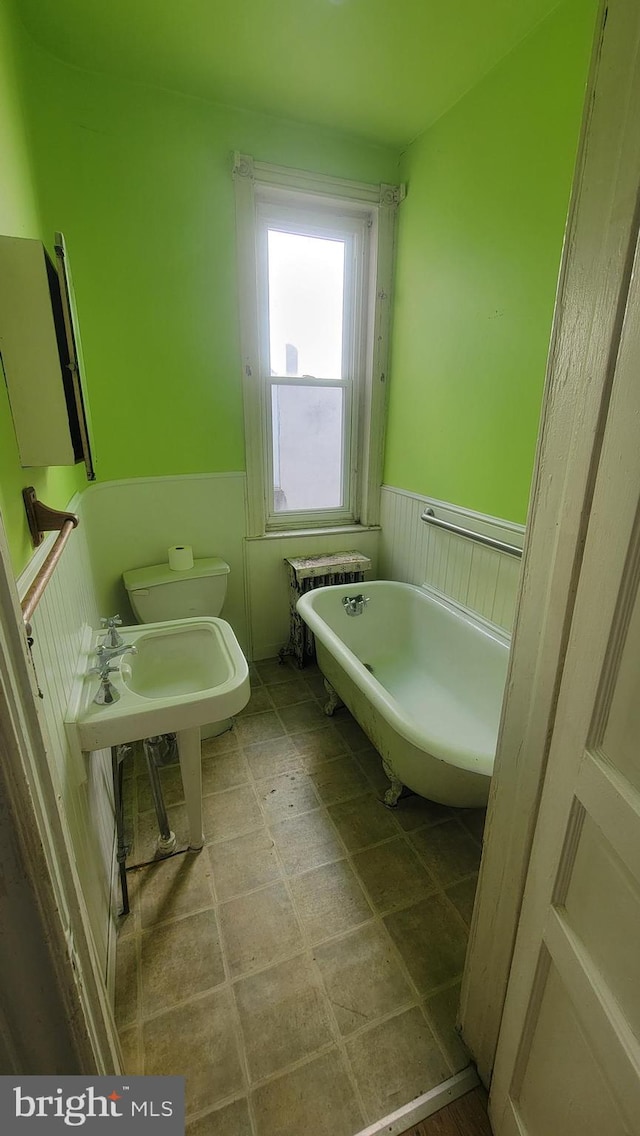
column 40, row 356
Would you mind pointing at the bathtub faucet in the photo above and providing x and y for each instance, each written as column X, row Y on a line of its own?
column 354, row 605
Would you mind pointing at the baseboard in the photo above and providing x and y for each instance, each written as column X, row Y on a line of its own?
column 422, row 1107
column 266, row 651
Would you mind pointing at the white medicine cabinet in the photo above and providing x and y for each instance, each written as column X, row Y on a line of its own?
column 40, row 354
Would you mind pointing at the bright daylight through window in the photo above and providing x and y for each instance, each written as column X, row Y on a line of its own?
column 306, row 315
column 314, row 322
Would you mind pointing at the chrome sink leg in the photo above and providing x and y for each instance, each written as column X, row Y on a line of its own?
column 118, row 754
column 167, row 838
column 190, row 756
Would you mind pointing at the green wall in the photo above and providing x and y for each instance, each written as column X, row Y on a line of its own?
column 139, row 180
column 479, row 248
column 19, row 217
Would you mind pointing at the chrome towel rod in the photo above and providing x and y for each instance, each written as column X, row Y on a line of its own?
column 499, row 545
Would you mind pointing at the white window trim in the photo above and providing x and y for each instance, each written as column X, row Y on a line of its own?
column 382, row 203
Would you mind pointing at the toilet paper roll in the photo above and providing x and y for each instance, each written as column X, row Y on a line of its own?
column 181, row 557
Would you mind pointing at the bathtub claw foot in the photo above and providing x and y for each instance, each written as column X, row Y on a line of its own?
column 394, row 792
column 392, row 795
column 334, row 702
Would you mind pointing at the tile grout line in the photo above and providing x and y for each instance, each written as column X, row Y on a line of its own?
column 434, row 888
column 139, row 1015
column 308, row 953
column 377, row 917
column 288, row 736
column 439, row 890
column 303, row 938
column 242, row 1052
column 338, row 1041
column 224, row 1102
column 233, row 980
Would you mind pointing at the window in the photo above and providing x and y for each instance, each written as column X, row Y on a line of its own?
column 312, row 309
column 312, row 296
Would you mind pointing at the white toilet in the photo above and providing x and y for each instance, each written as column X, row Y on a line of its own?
column 159, row 593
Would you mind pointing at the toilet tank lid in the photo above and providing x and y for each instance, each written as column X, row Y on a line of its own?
column 163, row 574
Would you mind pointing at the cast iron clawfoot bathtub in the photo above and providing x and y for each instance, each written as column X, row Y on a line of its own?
column 424, row 679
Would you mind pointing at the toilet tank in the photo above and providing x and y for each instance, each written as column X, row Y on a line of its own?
column 158, row 593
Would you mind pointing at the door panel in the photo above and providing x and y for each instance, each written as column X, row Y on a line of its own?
column 568, row 1057
column 619, row 741
column 559, row 1059
column 602, row 909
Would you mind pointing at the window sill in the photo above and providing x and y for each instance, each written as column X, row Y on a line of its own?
column 329, row 530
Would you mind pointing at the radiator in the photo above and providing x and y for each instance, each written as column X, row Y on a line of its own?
column 307, row 573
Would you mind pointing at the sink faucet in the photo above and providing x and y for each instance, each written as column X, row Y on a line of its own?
column 107, row 693
column 113, row 637
column 354, row 605
column 104, row 653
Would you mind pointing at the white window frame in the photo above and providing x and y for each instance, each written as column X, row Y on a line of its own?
column 262, row 191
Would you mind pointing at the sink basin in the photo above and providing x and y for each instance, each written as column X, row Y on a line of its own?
column 186, row 673
column 177, row 661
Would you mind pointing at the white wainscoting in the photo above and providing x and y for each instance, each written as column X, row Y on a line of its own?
column 132, row 523
column 268, row 580
column 84, row 784
column 481, row 579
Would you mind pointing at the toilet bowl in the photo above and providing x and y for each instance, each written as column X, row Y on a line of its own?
column 159, row 593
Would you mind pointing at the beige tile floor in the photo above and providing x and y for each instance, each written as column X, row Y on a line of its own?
column 303, row 970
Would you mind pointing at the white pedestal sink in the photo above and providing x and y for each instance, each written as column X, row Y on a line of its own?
column 185, row 674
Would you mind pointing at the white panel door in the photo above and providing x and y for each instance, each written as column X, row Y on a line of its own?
column 568, row 1060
